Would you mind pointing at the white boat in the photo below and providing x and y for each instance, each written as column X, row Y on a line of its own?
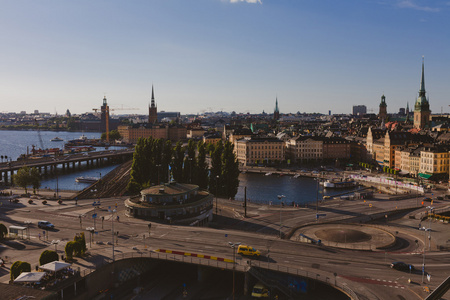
column 83, row 179
column 268, row 174
column 336, row 183
column 296, row 175
column 56, row 139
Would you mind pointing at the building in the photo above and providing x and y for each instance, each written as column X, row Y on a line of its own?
column 336, row 148
column 152, row 110
column 422, row 107
column 305, row 148
column 104, row 116
column 131, row 133
column 359, row 110
column 259, row 150
column 382, row 114
column 174, row 203
column 434, row 162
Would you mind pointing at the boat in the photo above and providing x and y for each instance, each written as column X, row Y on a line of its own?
column 56, row 139
column 296, row 175
column 83, row 179
column 268, row 174
column 337, row 183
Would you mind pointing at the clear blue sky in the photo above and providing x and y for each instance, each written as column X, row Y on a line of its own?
column 203, row 55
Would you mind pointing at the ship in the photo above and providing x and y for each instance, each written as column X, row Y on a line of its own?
column 83, row 179
column 56, row 139
column 337, row 183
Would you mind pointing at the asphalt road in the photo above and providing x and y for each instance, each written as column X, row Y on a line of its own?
column 366, row 272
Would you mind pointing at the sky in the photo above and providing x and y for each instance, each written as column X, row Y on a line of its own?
column 222, row 55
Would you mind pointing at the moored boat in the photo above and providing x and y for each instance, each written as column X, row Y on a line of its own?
column 56, row 139
column 268, row 174
column 83, row 179
column 336, row 183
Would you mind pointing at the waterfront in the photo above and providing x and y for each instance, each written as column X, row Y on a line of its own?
column 265, row 189
column 14, row 143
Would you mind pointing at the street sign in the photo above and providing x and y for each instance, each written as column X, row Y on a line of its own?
column 94, row 216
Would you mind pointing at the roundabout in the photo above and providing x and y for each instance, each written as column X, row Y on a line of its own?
column 349, row 236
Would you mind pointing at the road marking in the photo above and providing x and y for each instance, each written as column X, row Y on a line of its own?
column 370, row 269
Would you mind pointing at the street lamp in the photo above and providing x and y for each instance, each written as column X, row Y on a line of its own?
column 55, row 242
column 217, row 191
column 112, row 211
column 234, row 246
column 281, row 202
column 91, row 230
column 424, row 248
column 429, row 226
column 28, row 222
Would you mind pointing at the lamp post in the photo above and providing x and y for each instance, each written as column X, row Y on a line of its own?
column 28, row 222
column 55, row 242
column 112, row 211
column 233, row 246
column 217, row 191
column 429, row 226
column 424, row 248
column 281, row 202
column 91, row 231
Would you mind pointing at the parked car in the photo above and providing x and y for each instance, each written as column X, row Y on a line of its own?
column 401, row 266
column 427, row 199
column 45, row 225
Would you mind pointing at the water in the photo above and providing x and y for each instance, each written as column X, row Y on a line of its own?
column 14, row 143
column 265, row 189
column 260, row 188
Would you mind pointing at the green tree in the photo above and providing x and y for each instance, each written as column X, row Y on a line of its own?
column 189, row 170
column 80, row 244
column 215, row 180
column 69, row 249
column 3, row 231
column 230, row 171
column 166, row 160
column 177, row 162
column 23, row 178
column 113, row 135
column 48, row 256
column 35, row 179
column 202, row 166
column 139, row 174
column 18, row 267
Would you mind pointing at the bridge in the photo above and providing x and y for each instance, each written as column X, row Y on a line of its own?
column 47, row 165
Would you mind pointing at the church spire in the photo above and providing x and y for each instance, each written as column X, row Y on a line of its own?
column 276, row 113
column 153, row 98
column 422, row 81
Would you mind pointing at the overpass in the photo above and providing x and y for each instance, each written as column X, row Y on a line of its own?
column 288, row 282
column 47, row 165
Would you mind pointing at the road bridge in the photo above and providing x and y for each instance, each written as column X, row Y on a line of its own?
column 47, row 165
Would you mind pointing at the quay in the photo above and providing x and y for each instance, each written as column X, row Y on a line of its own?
column 47, row 165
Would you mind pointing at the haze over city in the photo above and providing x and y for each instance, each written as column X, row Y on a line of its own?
column 230, row 55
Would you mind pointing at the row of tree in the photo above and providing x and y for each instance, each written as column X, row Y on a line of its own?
column 156, row 161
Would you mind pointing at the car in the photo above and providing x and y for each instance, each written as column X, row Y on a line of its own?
column 440, row 198
column 248, row 251
column 428, row 199
column 45, row 225
column 401, row 266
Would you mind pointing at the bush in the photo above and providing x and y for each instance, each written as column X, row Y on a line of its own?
column 80, row 245
column 18, row 267
column 3, row 231
column 48, row 256
column 70, row 246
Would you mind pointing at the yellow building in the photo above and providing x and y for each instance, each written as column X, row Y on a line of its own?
column 259, row 151
column 131, row 133
column 433, row 161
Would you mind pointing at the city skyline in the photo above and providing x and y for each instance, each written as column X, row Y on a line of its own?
column 230, row 55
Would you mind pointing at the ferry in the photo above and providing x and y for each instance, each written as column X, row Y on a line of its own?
column 83, row 179
column 56, row 139
column 337, row 183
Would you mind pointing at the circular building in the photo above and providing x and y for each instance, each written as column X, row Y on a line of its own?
column 172, row 202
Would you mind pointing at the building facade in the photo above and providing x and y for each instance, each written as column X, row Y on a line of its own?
column 254, row 151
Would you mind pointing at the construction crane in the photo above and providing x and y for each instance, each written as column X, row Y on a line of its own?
column 39, row 133
column 105, row 108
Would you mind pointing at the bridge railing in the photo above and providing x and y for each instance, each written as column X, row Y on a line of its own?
column 239, row 265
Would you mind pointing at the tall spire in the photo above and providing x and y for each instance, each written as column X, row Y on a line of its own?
column 422, row 81
column 276, row 104
column 153, row 98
